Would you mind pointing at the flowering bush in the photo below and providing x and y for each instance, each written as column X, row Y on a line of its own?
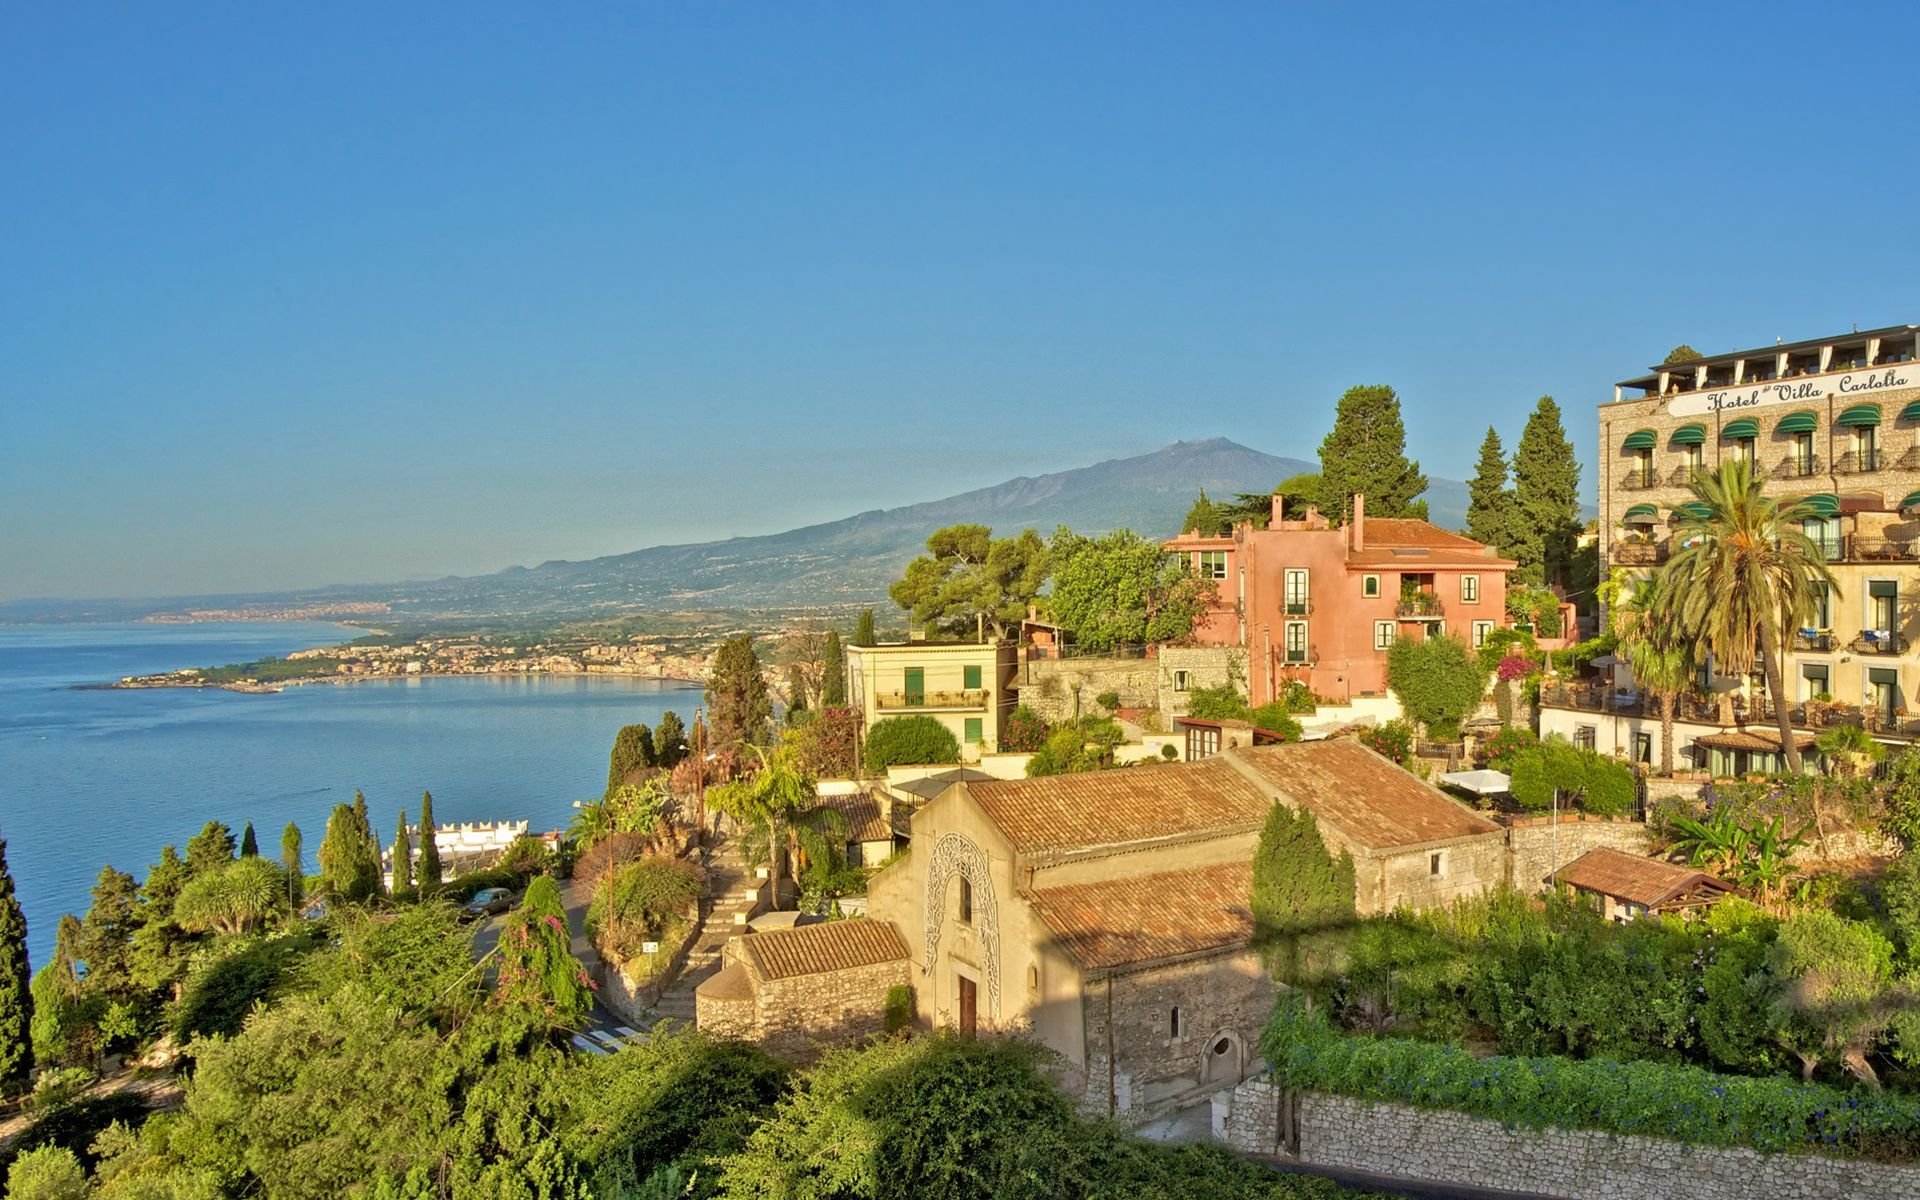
column 1513, row 667
column 1393, row 740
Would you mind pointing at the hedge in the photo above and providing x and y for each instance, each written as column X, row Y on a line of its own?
column 1687, row 1104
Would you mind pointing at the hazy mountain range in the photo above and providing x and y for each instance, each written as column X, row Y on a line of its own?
column 832, row 565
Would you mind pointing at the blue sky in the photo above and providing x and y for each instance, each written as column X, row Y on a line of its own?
column 304, row 294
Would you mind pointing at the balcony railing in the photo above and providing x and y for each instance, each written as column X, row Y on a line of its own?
column 1857, row 462
column 1880, row 642
column 1638, row 554
column 1298, row 608
column 1421, row 606
column 1860, row 548
column 966, row 698
column 1638, row 480
column 1795, row 466
column 1815, row 640
column 1683, row 474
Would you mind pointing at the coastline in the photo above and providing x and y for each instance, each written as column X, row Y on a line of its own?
column 254, row 687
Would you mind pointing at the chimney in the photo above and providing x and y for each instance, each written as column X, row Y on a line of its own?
column 1278, row 512
column 1359, row 521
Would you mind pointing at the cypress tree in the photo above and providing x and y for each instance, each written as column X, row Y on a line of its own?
column 737, row 702
column 16, row 980
column 1303, row 897
column 402, row 856
column 296, row 867
column 633, row 749
column 669, row 740
column 1546, row 495
column 1490, row 500
column 369, row 840
column 249, row 848
column 863, row 634
column 796, row 689
column 1366, row 453
column 429, row 848
column 349, row 866
column 1203, row 518
column 833, row 672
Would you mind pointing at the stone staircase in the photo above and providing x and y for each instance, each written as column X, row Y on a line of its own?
column 728, row 878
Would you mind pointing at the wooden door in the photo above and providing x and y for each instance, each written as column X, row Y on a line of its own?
column 969, row 1002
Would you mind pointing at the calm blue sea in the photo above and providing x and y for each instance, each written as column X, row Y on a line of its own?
column 93, row 777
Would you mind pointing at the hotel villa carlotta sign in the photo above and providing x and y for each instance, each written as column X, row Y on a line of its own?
column 1849, row 385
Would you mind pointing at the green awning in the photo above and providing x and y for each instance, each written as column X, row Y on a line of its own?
column 1647, row 512
column 1639, row 439
column 1691, row 510
column 1820, row 504
column 1693, row 435
column 1911, row 412
column 1804, row 421
column 1912, row 500
column 1745, row 427
column 1859, row 414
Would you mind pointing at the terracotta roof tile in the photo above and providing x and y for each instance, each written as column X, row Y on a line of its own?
column 1365, row 798
column 1645, row 881
column 864, row 821
column 1766, row 740
column 829, row 946
column 1121, row 807
column 1145, row 918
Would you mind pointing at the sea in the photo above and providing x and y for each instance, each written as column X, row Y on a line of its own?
column 92, row 776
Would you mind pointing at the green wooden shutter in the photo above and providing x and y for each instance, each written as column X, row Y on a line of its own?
column 974, row 735
column 972, row 680
column 916, row 685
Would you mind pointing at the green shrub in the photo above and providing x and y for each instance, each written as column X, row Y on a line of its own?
column 909, row 741
column 1109, row 700
column 1439, row 681
column 1502, row 747
column 1221, row 702
column 1274, row 718
column 1298, row 697
column 898, row 1007
column 1390, row 739
column 221, row 991
column 1685, row 1103
column 1170, row 752
column 48, row 1173
column 1598, row 785
column 1024, row 731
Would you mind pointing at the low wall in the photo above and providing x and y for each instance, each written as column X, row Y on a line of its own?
column 1535, row 845
column 1048, row 685
column 1440, row 1146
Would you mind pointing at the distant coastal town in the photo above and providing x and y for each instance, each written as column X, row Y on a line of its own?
column 379, row 657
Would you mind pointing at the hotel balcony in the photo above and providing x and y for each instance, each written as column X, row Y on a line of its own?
column 930, row 700
column 1637, row 554
column 1858, row 462
column 1880, row 643
column 1795, row 466
column 1421, row 606
column 1637, row 480
column 1702, row 710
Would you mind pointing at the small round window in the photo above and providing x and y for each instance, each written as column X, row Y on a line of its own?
column 1223, row 1046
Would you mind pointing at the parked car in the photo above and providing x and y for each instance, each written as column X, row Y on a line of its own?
column 489, row 901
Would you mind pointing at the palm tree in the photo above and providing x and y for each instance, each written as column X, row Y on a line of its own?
column 780, row 802
column 1745, row 576
column 1659, row 652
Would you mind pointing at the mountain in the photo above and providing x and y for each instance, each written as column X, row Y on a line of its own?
column 832, row 565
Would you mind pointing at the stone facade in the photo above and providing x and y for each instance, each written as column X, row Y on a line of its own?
column 796, row 991
column 1535, row 844
column 1439, row 1146
column 1049, row 685
column 1185, row 669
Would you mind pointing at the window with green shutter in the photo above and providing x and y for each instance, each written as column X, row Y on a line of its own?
column 974, row 734
column 972, row 677
column 916, row 685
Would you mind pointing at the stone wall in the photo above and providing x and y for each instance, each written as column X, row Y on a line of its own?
column 798, row 1016
column 1222, row 999
column 1441, row 1146
column 1532, row 852
column 1206, row 666
column 1047, row 685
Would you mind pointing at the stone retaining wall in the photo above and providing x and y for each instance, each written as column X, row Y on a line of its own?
column 1441, row 1146
column 1536, row 844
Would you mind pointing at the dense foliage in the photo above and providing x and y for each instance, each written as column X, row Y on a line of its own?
column 908, row 741
column 969, row 580
column 1074, row 746
column 1024, row 731
column 1579, row 778
column 1546, row 498
column 1120, row 589
column 1365, row 452
column 1303, row 897
column 16, row 998
column 739, row 708
column 1439, row 681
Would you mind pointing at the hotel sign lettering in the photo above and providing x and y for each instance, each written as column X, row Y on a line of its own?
column 1847, row 385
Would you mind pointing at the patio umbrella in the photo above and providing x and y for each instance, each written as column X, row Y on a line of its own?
column 1480, row 783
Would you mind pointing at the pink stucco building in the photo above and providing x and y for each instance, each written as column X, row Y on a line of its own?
column 1322, row 603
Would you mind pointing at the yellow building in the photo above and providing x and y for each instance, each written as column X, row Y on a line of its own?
column 970, row 687
column 1834, row 421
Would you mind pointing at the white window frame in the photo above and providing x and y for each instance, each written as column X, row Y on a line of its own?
column 1480, row 631
column 1207, row 570
column 1182, row 680
column 1293, row 575
column 1287, row 640
column 1370, row 587
column 1469, row 589
column 1382, row 635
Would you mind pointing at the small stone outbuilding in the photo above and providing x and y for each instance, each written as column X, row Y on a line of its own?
column 1628, row 885
column 793, row 989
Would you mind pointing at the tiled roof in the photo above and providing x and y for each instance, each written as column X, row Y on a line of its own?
column 1766, row 740
column 1645, row 881
column 1389, row 539
column 1144, row 918
column 1121, row 807
column 815, row 949
column 1365, row 798
column 864, row 821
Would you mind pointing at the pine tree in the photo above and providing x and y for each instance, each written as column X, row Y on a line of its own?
column 249, row 848
column 863, row 633
column 429, row 848
column 737, row 701
column 1203, row 518
column 163, row 883
column 210, row 849
column 291, row 858
column 1490, row 501
column 833, row 672
column 1546, row 494
column 16, row 996
column 669, row 740
column 1366, row 453
column 402, row 857
column 106, row 943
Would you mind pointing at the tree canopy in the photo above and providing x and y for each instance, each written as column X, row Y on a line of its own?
column 1121, row 589
column 1491, row 510
column 1366, row 453
column 738, row 706
column 1546, row 495
column 16, row 1000
column 1439, row 681
column 969, row 579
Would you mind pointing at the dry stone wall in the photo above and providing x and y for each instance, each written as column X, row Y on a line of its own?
column 1440, row 1146
column 1536, row 844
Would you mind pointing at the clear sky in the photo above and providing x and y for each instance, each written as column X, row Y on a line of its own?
column 296, row 294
